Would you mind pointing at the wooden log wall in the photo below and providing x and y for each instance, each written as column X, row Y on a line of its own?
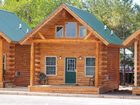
column 10, row 70
column 37, row 63
column 103, row 65
column 109, row 68
column 16, row 57
column 22, row 65
column 67, row 50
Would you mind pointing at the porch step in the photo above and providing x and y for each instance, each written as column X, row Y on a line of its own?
column 24, row 91
column 66, row 89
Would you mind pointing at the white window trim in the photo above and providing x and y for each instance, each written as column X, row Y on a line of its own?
column 89, row 66
column 79, row 31
column 76, row 29
column 55, row 67
column 56, row 31
column 4, row 63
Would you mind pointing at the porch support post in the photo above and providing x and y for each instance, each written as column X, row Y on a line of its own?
column 135, row 62
column 32, row 65
column 97, row 66
column 1, row 60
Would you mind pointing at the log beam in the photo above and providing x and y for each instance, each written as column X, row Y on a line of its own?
column 63, row 40
column 32, row 65
column 1, row 68
column 41, row 36
column 90, row 33
column 97, row 65
column 135, row 62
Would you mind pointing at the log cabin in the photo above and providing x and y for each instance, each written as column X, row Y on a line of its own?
column 73, row 48
column 14, row 58
column 134, row 41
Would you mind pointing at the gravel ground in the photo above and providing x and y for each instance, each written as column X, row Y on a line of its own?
column 55, row 100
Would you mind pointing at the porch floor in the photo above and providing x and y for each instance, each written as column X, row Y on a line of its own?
column 136, row 90
column 17, row 88
column 65, row 89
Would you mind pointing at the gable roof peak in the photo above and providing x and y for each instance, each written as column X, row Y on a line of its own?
column 86, row 19
column 96, row 25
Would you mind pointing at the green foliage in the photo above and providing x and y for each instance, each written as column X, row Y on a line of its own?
column 120, row 15
column 34, row 11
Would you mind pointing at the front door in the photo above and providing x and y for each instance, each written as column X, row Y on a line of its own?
column 70, row 70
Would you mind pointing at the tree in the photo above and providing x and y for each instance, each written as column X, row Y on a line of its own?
column 34, row 11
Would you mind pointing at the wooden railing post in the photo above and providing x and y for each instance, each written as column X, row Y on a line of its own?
column 97, row 66
column 1, row 60
column 135, row 62
column 32, row 65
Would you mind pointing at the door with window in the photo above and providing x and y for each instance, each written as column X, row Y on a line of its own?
column 70, row 70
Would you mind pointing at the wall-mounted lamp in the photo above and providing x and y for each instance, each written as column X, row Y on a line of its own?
column 80, row 57
column 60, row 57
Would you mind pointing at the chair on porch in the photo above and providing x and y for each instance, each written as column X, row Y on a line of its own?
column 92, row 80
column 43, row 79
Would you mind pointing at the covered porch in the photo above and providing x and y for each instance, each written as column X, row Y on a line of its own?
column 57, row 83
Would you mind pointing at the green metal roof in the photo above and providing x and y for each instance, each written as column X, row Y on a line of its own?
column 96, row 25
column 9, row 25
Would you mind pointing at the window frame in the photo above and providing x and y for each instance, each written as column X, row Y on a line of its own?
column 66, row 31
column 55, row 66
column 56, row 31
column 90, row 66
column 79, row 31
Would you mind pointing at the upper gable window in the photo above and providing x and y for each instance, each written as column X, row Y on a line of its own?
column 71, row 29
column 82, row 31
column 59, row 31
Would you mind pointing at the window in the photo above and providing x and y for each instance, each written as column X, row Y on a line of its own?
column 51, row 65
column 83, row 31
column 59, row 31
column 90, row 66
column 71, row 29
column 71, row 64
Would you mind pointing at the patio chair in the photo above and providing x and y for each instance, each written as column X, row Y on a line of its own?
column 92, row 80
column 43, row 79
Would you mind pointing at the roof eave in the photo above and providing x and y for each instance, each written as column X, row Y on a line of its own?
column 131, row 38
column 116, row 45
column 5, row 37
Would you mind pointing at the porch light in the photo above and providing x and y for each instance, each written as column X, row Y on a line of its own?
column 60, row 57
column 80, row 57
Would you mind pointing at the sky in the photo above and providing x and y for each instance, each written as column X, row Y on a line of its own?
column 137, row 1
